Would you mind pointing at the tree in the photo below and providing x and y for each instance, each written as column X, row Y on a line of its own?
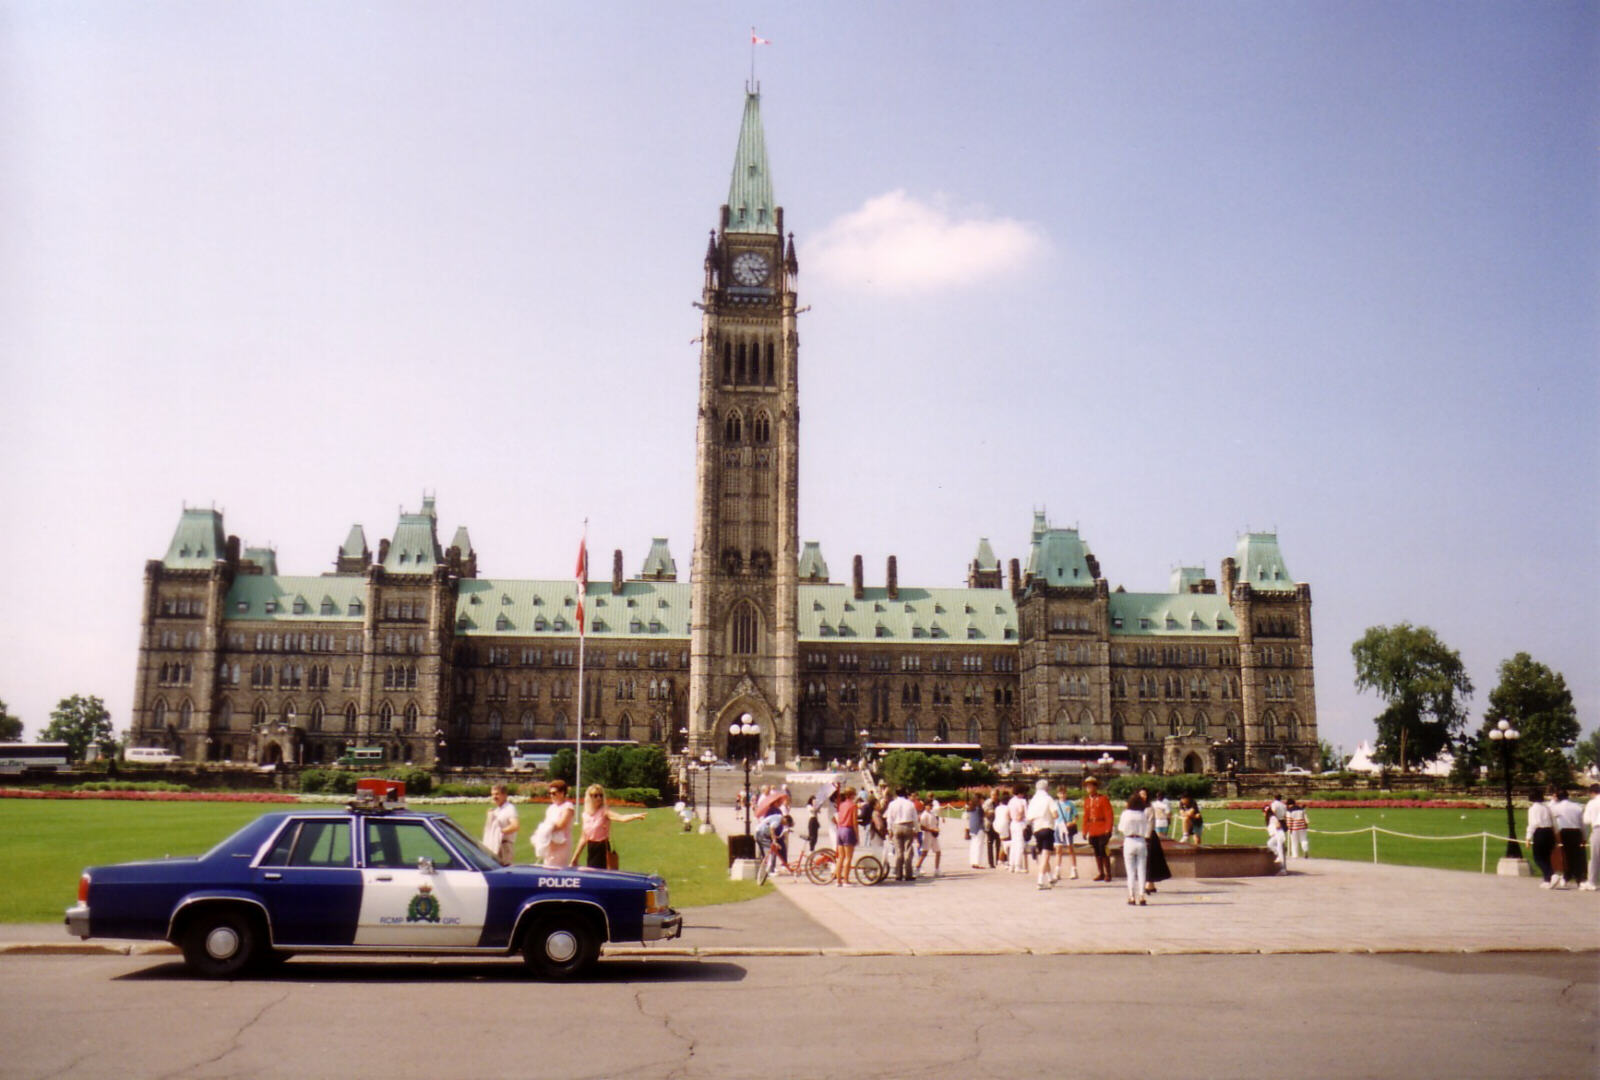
column 81, row 722
column 1587, row 753
column 1327, row 757
column 10, row 726
column 1425, row 685
column 1535, row 701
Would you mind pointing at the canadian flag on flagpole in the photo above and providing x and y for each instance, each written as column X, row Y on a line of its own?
column 583, row 579
column 754, row 40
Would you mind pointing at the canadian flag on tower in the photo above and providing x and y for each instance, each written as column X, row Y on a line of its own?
column 583, row 579
column 754, row 40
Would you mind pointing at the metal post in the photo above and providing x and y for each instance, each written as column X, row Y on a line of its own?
column 747, row 796
column 1513, row 849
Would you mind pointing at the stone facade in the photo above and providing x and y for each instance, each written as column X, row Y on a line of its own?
column 411, row 650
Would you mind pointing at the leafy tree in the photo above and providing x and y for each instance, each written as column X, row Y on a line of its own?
column 1425, row 685
column 1587, row 752
column 81, row 722
column 10, row 726
column 1535, row 701
column 1328, row 758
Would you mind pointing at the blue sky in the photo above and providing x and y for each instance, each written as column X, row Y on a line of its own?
column 1167, row 271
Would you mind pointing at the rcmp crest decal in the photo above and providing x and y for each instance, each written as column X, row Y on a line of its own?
column 424, row 906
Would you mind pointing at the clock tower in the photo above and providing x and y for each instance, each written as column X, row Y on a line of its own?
column 744, row 656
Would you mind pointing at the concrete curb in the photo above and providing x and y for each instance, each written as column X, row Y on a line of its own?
column 89, row 948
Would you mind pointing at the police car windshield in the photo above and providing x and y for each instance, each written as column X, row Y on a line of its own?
column 469, row 848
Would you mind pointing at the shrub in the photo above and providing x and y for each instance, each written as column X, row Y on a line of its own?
column 1173, row 785
column 917, row 771
column 130, row 785
column 619, row 767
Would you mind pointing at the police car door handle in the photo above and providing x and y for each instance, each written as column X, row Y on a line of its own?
column 384, row 877
column 272, row 875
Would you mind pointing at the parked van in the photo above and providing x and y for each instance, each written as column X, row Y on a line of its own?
column 362, row 757
column 149, row 755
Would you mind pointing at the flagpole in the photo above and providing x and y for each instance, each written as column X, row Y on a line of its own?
column 583, row 582
column 752, row 59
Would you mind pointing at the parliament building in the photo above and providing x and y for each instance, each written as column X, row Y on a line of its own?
column 408, row 648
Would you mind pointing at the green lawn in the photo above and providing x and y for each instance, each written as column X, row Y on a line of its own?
column 1326, row 843
column 46, row 843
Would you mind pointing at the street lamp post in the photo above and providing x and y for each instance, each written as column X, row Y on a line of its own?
column 706, row 760
column 744, row 729
column 1511, row 863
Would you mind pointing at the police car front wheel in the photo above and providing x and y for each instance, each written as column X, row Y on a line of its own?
column 560, row 946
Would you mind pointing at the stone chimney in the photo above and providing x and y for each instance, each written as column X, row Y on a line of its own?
column 1016, row 577
column 616, row 572
column 894, row 578
column 856, row 578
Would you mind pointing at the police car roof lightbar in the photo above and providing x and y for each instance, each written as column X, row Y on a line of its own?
column 375, row 793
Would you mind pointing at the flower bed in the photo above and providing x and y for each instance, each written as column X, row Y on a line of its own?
column 1370, row 804
column 153, row 796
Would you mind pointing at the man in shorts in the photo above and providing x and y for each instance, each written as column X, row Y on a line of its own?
column 1042, row 818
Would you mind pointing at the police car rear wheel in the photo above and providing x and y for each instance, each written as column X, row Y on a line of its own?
column 220, row 944
column 560, row 946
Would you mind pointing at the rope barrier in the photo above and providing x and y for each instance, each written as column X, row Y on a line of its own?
column 1483, row 837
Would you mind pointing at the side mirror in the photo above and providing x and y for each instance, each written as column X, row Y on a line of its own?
column 424, row 865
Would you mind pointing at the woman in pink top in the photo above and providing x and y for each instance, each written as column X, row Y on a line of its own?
column 558, row 818
column 597, row 819
column 844, row 824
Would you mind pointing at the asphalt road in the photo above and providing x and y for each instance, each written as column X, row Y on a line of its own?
column 1345, row 1016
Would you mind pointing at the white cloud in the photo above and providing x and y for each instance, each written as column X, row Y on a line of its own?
column 899, row 243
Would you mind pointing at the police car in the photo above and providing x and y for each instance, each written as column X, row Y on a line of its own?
column 373, row 878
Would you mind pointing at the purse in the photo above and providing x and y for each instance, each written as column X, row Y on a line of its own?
column 611, row 859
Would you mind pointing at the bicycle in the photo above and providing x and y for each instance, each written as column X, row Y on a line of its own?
column 822, row 868
column 769, row 862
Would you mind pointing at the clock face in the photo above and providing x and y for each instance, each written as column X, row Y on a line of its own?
column 750, row 268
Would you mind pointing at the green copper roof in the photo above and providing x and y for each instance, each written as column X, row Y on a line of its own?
column 1171, row 615
column 1184, row 576
column 644, row 609
column 813, row 567
column 259, row 597
column 1261, row 563
column 659, row 563
column 355, row 545
column 462, row 541
column 415, row 547
column 985, row 558
column 751, row 206
column 265, row 558
column 198, row 542
column 831, row 613
column 1059, row 557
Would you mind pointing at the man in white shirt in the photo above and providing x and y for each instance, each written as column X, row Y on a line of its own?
column 1042, row 815
column 901, row 820
column 1591, row 818
column 1568, row 817
column 500, row 827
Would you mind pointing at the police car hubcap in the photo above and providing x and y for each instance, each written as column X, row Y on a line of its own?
column 222, row 943
column 561, row 946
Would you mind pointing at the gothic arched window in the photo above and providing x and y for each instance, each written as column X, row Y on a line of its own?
column 743, row 631
column 733, row 428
